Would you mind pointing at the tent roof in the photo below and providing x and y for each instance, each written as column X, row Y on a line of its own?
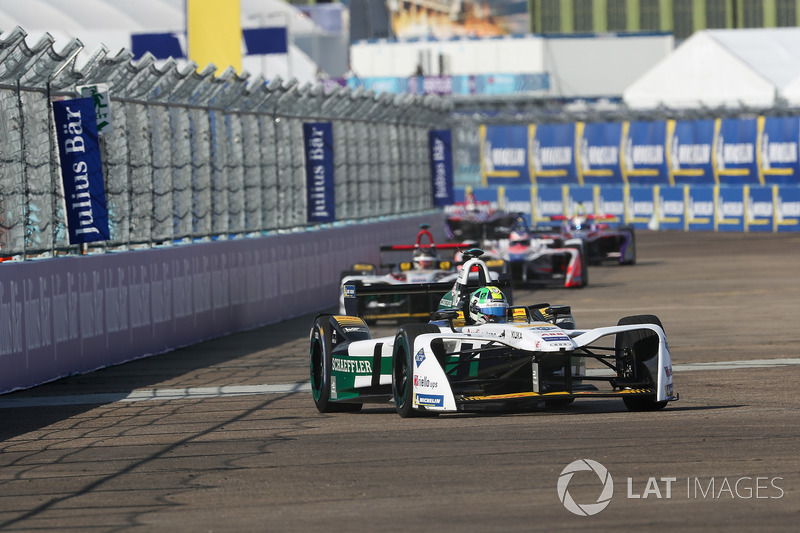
column 722, row 68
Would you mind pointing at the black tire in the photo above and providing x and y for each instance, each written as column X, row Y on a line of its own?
column 403, row 365
column 642, row 346
column 320, row 366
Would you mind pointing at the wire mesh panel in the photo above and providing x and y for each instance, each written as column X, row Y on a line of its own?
column 197, row 155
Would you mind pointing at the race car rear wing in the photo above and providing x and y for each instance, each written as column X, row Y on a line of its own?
column 354, row 292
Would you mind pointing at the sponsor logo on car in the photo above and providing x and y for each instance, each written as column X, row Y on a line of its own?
column 352, row 366
column 668, row 371
column 553, row 337
column 420, row 357
column 429, row 399
column 349, row 291
column 424, row 383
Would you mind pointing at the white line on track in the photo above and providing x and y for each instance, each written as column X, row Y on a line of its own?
column 194, row 393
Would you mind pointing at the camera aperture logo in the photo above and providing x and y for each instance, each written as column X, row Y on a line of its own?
column 586, row 509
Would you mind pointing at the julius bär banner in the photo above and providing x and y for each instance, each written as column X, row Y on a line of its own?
column 81, row 170
column 440, row 144
column 318, row 140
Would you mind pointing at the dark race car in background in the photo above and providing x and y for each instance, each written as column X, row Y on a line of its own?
column 605, row 241
column 402, row 264
column 541, row 256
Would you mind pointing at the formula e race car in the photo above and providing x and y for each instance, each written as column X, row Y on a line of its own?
column 473, row 220
column 480, row 352
column 426, row 266
column 538, row 256
column 603, row 241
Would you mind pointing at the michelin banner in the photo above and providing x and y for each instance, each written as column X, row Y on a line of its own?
column 752, row 208
column 599, row 153
column 81, row 170
column 644, row 159
column 440, row 145
column 735, row 151
column 552, row 148
column 320, row 197
column 778, row 139
column 689, row 149
column 504, row 155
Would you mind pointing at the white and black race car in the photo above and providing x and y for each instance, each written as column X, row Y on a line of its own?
column 450, row 364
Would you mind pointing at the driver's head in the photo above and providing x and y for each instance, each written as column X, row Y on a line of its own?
column 488, row 304
column 424, row 260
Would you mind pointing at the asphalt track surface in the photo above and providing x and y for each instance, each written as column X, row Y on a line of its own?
column 224, row 436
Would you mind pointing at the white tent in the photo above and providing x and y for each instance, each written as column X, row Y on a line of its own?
column 714, row 68
column 110, row 23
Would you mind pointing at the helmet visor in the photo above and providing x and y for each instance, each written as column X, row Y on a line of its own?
column 494, row 312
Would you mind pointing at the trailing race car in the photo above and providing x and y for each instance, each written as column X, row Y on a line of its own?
column 473, row 220
column 603, row 242
column 480, row 351
column 535, row 256
column 426, row 266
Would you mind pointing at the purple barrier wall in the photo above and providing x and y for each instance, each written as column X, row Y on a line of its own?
column 72, row 315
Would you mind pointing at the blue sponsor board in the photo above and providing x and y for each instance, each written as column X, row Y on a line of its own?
column 700, row 207
column 779, row 160
column 689, row 152
column 729, row 209
column 552, row 154
column 735, row 151
column 598, row 155
column 549, row 202
column 639, row 207
column 81, row 170
column 504, row 155
column 611, row 201
column 440, row 144
column 518, row 200
column 435, row 400
column 787, row 208
column 320, row 197
column 758, row 208
column 644, row 153
column 581, row 201
column 670, row 208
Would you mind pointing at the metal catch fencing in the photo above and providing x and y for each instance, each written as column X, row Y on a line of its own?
column 198, row 155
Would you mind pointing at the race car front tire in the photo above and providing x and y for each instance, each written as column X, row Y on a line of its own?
column 403, row 367
column 320, row 365
column 642, row 345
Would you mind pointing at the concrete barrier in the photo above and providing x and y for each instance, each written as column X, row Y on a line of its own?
column 72, row 315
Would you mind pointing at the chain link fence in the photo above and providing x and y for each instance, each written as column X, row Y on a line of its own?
column 199, row 155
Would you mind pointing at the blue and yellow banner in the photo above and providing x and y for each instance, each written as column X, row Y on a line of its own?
column 690, row 146
column 644, row 158
column 552, row 154
column 504, row 155
column 214, row 31
column 81, row 170
column 598, row 153
column 779, row 163
column 735, row 157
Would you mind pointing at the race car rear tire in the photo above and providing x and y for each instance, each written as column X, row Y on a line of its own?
column 643, row 346
column 320, row 366
column 403, row 367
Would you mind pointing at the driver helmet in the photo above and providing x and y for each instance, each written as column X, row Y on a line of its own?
column 522, row 238
column 424, row 260
column 488, row 304
column 576, row 223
